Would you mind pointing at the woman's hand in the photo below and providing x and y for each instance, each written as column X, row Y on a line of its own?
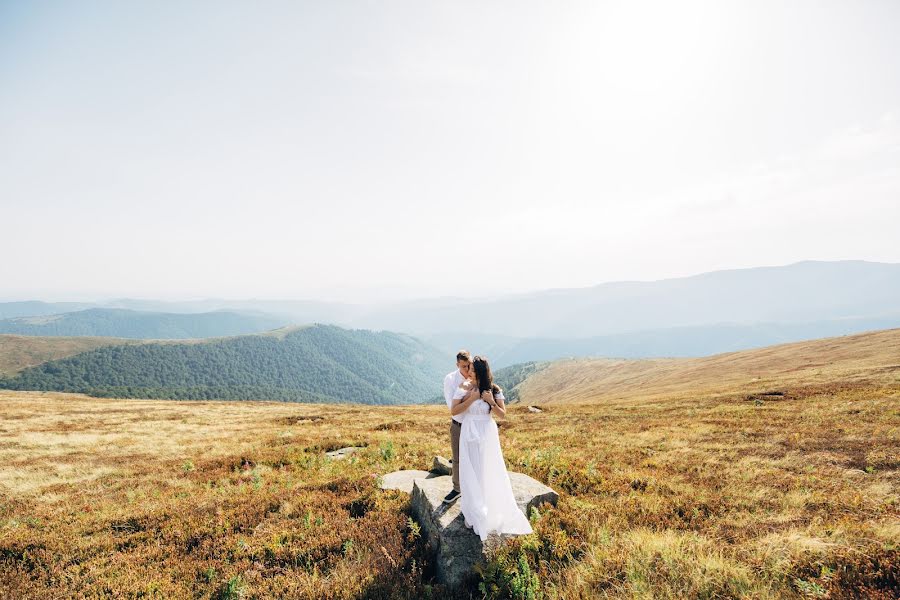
column 488, row 396
column 498, row 406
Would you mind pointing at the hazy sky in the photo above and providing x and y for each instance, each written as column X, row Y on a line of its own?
column 356, row 150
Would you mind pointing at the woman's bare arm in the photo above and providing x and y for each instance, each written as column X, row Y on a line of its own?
column 500, row 407
column 497, row 404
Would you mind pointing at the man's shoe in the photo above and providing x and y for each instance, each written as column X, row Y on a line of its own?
column 451, row 497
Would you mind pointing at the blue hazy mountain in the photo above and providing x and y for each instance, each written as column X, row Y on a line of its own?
column 106, row 322
column 689, row 316
column 695, row 341
column 801, row 293
column 34, row 308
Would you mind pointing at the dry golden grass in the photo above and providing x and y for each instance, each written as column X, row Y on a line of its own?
column 18, row 352
column 862, row 357
column 722, row 493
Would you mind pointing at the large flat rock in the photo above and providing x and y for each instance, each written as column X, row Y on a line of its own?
column 457, row 547
column 530, row 492
column 403, row 480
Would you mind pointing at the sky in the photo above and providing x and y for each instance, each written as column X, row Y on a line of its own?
column 365, row 151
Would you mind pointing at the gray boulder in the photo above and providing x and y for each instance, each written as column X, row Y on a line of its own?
column 441, row 466
column 403, row 480
column 457, row 547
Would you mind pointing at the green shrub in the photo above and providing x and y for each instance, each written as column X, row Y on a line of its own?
column 233, row 589
column 505, row 578
column 387, row 450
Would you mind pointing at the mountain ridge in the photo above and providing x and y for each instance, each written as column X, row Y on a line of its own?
column 694, row 315
column 318, row 363
column 126, row 323
column 773, row 370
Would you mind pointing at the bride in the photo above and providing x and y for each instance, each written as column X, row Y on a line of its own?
column 487, row 501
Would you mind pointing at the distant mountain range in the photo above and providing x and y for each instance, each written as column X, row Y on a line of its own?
column 690, row 316
column 35, row 308
column 310, row 364
column 806, row 292
column 295, row 311
column 671, row 342
column 142, row 325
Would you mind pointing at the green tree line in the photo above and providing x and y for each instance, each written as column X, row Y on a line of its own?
column 320, row 363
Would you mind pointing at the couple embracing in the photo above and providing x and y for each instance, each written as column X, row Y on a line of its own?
column 480, row 479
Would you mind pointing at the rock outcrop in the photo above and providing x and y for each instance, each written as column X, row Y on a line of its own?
column 457, row 547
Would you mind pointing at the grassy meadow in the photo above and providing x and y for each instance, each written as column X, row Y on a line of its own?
column 761, row 474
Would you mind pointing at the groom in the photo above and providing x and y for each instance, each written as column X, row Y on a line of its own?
column 451, row 382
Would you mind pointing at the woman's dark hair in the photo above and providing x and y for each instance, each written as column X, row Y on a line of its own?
column 484, row 376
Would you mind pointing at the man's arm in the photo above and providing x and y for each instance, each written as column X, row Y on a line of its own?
column 461, row 405
column 448, row 390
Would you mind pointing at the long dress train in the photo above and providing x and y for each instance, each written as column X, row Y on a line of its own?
column 487, row 500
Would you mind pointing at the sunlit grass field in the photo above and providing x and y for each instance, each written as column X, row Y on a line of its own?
column 778, row 481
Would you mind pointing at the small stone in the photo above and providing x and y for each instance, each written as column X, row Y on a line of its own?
column 855, row 473
column 534, row 409
column 441, row 466
column 342, row 453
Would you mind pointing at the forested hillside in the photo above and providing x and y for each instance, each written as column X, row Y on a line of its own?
column 313, row 364
column 108, row 322
column 510, row 378
column 18, row 352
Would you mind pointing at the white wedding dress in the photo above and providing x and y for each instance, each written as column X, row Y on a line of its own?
column 487, row 500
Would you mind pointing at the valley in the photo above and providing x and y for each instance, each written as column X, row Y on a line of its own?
column 766, row 474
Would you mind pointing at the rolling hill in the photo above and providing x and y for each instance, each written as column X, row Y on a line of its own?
column 709, row 313
column 18, row 352
column 124, row 323
column 688, row 478
column 868, row 357
column 700, row 340
column 319, row 363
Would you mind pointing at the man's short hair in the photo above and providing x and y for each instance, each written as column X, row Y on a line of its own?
column 463, row 355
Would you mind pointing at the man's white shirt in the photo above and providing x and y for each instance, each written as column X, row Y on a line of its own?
column 451, row 382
